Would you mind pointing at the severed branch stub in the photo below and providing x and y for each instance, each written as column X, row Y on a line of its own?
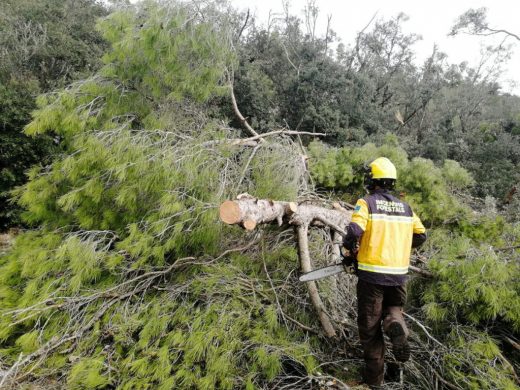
column 249, row 211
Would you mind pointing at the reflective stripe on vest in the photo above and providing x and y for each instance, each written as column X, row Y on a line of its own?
column 390, row 218
column 383, row 269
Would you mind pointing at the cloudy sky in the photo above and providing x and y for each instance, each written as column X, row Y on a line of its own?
column 431, row 19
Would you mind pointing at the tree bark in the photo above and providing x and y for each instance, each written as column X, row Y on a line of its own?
column 248, row 211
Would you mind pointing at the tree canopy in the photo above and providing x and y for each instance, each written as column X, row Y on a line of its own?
column 128, row 280
column 45, row 45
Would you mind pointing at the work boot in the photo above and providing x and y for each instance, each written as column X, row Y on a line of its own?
column 400, row 347
column 393, row 372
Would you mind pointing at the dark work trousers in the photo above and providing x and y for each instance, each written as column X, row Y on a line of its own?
column 376, row 304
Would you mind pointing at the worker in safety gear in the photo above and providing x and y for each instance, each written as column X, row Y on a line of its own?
column 382, row 233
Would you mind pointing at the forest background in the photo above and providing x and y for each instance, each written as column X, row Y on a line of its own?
column 125, row 126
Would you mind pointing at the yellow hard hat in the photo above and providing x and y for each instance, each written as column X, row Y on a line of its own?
column 382, row 168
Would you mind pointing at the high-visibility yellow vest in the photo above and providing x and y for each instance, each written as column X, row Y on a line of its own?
column 388, row 224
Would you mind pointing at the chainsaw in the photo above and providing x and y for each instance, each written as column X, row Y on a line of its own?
column 348, row 265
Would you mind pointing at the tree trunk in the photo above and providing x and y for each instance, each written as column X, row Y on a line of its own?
column 305, row 262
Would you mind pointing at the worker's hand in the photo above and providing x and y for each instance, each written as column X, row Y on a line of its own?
column 348, row 260
column 345, row 253
column 346, row 257
column 350, row 253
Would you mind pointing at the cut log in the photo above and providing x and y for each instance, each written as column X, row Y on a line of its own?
column 230, row 212
column 250, row 212
column 339, row 207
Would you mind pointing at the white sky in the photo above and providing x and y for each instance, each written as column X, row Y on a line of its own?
column 430, row 19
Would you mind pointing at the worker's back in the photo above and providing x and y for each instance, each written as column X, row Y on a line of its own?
column 389, row 224
column 386, row 229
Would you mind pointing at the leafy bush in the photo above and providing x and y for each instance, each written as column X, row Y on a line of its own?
column 428, row 188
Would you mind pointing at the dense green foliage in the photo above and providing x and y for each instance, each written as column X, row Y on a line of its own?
column 129, row 281
column 288, row 76
column 129, row 199
column 428, row 188
column 45, row 45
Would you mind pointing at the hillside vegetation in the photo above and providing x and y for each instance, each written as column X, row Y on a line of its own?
column 125, row 278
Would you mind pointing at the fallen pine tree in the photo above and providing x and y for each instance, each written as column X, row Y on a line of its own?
column 130, row 281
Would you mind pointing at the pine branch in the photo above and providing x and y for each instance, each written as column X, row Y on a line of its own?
column 305, row 261
column 304, row 327
column 131, row 288
column 251, row 141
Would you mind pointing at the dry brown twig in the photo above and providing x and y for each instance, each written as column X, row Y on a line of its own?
column 424, row 330
column 445, row 382
column 252, row 141
column 238, row 114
